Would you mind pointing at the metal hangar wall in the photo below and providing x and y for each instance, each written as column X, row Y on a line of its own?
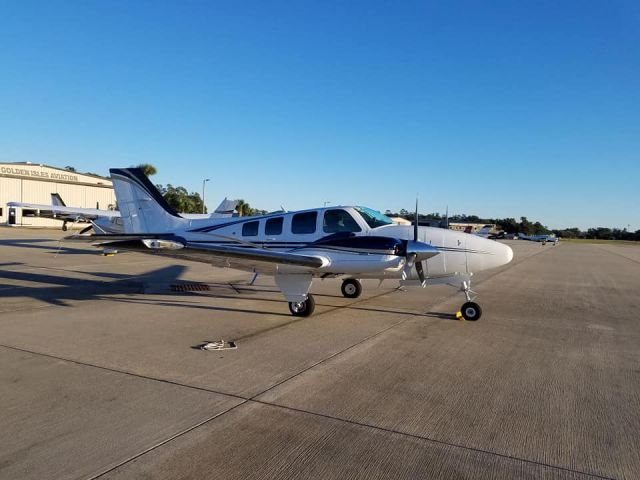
column 34, row 183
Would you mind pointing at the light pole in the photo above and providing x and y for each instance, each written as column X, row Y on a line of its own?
column 204, row 182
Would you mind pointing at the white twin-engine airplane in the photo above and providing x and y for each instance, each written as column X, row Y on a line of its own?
column 352, row 243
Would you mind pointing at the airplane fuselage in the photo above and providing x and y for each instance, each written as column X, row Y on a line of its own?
column 324, row 233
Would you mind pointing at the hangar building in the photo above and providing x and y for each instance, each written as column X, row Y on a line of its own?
column 34, row 183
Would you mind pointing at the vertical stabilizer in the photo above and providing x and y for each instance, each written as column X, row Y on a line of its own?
column 56, row 200
column 142, row 207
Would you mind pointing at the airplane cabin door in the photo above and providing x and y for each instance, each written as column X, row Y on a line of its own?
column 12, row 216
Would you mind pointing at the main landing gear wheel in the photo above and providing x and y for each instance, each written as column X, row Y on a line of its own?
column 471, row 311
column 64, row 227
column 351, row 288
column 303, row 309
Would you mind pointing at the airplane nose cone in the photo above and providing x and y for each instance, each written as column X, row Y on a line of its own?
column 485, row 254
column 505, row 253
column 502, row 254
column 508, row 253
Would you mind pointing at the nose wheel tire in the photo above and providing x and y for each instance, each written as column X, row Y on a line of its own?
column 303, row 309
column 471, row 311
column 351, row 288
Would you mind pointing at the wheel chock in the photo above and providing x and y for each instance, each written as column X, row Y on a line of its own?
column 459, row 316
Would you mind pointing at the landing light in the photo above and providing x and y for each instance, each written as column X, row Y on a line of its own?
column 156, row 244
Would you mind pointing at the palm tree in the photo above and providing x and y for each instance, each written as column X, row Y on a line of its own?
column 147, row 169
column 243, row 208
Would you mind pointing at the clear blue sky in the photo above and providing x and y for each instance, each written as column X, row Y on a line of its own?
column 494, row 108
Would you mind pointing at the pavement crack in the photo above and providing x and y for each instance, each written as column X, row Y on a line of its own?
column 165, row 441
column 601, row 248
column 123, row 372
column 431, row 440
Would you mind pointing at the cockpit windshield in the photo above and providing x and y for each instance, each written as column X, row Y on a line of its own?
column 373, row 218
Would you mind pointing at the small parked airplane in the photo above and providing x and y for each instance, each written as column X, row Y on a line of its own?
column 483, row 232
column 58, row 210
column 352, row 243
column 105, row 221
column 539, row 238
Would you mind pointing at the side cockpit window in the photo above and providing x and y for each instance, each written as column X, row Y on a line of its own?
column 250, row 229
column 339, row 220
column 304, row 222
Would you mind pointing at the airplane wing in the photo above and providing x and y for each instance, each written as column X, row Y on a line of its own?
column 88, row 213
column 242, row 256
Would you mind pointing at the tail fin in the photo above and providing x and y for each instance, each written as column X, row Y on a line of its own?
column 56, row 200
column 485, row 230
column 226, row 207
column 142, row 207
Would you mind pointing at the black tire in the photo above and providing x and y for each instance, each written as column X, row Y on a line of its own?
column 303, row 309
column 351, row 288
column 64, row 227
column 471, row 311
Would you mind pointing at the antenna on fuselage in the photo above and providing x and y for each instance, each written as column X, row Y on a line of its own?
column 446, row 218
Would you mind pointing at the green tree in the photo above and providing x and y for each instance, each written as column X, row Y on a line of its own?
column 525, row 226
column 568, row 233
column 539, row 229
column 509, row 225
column 70, row 168
column 180, row 199
column 244, row 209
column 147, row 169
column 600, row 233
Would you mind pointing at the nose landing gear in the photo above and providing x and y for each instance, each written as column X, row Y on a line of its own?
column 470, row 310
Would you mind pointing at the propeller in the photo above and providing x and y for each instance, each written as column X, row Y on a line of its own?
column 416, row 252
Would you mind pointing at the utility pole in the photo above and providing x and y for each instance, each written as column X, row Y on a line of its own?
column 204, row 182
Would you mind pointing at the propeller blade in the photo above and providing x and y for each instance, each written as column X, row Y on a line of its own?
column 420, row 271
column 415, row 224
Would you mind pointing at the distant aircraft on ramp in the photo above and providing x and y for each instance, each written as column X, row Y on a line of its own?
column 539, row 238
column 105, row 221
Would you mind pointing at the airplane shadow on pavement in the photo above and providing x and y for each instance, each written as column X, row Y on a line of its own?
column 41, row 244
column 56, row 289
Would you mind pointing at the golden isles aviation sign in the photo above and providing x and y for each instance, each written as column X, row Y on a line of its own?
column 27, row 172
